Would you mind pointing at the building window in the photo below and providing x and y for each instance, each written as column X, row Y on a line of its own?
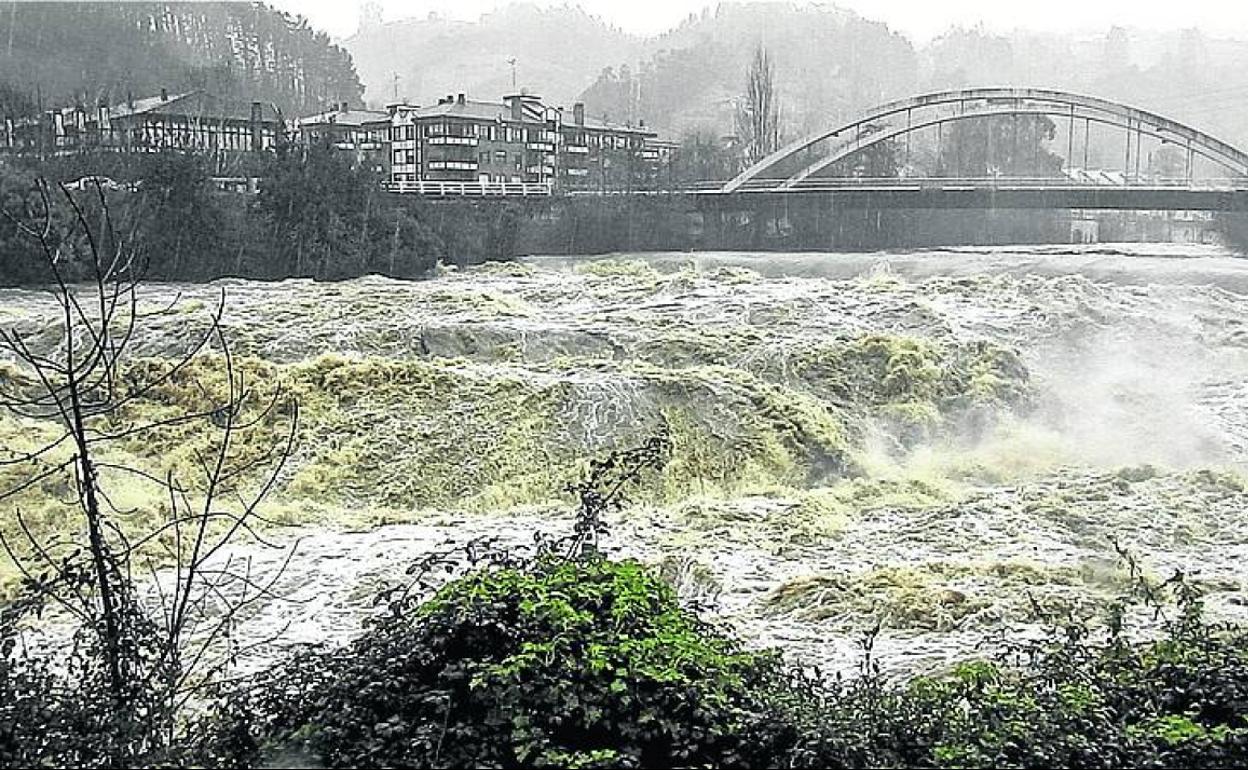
column 500, row 156
column 483, row 158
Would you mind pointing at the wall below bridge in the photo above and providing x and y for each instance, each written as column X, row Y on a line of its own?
column 998, row 194
column 474, row 230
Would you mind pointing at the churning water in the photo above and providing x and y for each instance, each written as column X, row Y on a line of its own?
column 948, row 442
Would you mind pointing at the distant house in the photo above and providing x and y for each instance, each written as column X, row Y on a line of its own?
column 191, row 121
column 518, row 139
column 363, row 133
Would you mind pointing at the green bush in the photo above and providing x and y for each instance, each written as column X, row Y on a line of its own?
column 590, row 662
column 1063, row 701
column 580, row 663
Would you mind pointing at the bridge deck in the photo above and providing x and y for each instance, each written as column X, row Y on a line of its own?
column 994, row 192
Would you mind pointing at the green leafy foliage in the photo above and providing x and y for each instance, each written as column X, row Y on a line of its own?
column 1065, row 700
column 563, row 663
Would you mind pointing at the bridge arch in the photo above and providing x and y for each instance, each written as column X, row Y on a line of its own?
column 979, row 103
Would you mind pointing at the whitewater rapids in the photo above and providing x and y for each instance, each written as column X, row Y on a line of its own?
column 1041, row 404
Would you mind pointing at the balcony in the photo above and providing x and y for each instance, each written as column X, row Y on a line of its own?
column 466, row 141
column 361, row 146
column 541, row 170
column 452, row 165
column 541, row 146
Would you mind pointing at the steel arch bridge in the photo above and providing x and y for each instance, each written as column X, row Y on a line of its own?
column 906, row 116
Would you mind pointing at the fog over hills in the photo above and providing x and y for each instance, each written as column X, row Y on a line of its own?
column 831, row 63
column 558, row 53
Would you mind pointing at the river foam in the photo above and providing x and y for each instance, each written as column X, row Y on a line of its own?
column 943, row 441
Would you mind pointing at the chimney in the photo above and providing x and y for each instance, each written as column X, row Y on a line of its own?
column 578, row 113
column 257, row 133
column 459, row 99
column 343, row 107
column 104, row 116
column 517, row 107
column 450, row 98
column 164, row 94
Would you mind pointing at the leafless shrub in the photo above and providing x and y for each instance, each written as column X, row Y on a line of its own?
column 115, row 696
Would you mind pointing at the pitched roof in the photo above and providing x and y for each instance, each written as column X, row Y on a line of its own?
column 195, row 103
column 149, row 104
column 344, row 118
column 604, row 125
column 467, row 109
column 500, row 111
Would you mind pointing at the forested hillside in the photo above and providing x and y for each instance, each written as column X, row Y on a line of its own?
column 52, row 54
column 829, row 64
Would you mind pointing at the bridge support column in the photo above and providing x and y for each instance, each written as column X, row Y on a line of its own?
column 1126, row 160
column 1087, row 138
column 908, row 138
column 1070, row 138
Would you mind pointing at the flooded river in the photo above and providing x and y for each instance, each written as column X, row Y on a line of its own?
column 943, row 441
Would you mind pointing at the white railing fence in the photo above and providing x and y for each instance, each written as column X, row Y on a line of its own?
column 471, row 189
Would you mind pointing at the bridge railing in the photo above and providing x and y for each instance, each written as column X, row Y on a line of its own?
column 470, row 189
column 987, row 182
column 829, row 184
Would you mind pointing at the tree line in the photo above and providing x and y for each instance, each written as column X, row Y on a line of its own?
column 316, row 215
column 55, row 54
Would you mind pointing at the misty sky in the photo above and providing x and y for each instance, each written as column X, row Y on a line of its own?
column 920, row 19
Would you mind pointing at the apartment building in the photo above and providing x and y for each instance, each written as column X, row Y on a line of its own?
column 519, row 139
column 364, row 134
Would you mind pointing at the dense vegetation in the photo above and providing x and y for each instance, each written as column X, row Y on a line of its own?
column 317, row 215
column 61, row 53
